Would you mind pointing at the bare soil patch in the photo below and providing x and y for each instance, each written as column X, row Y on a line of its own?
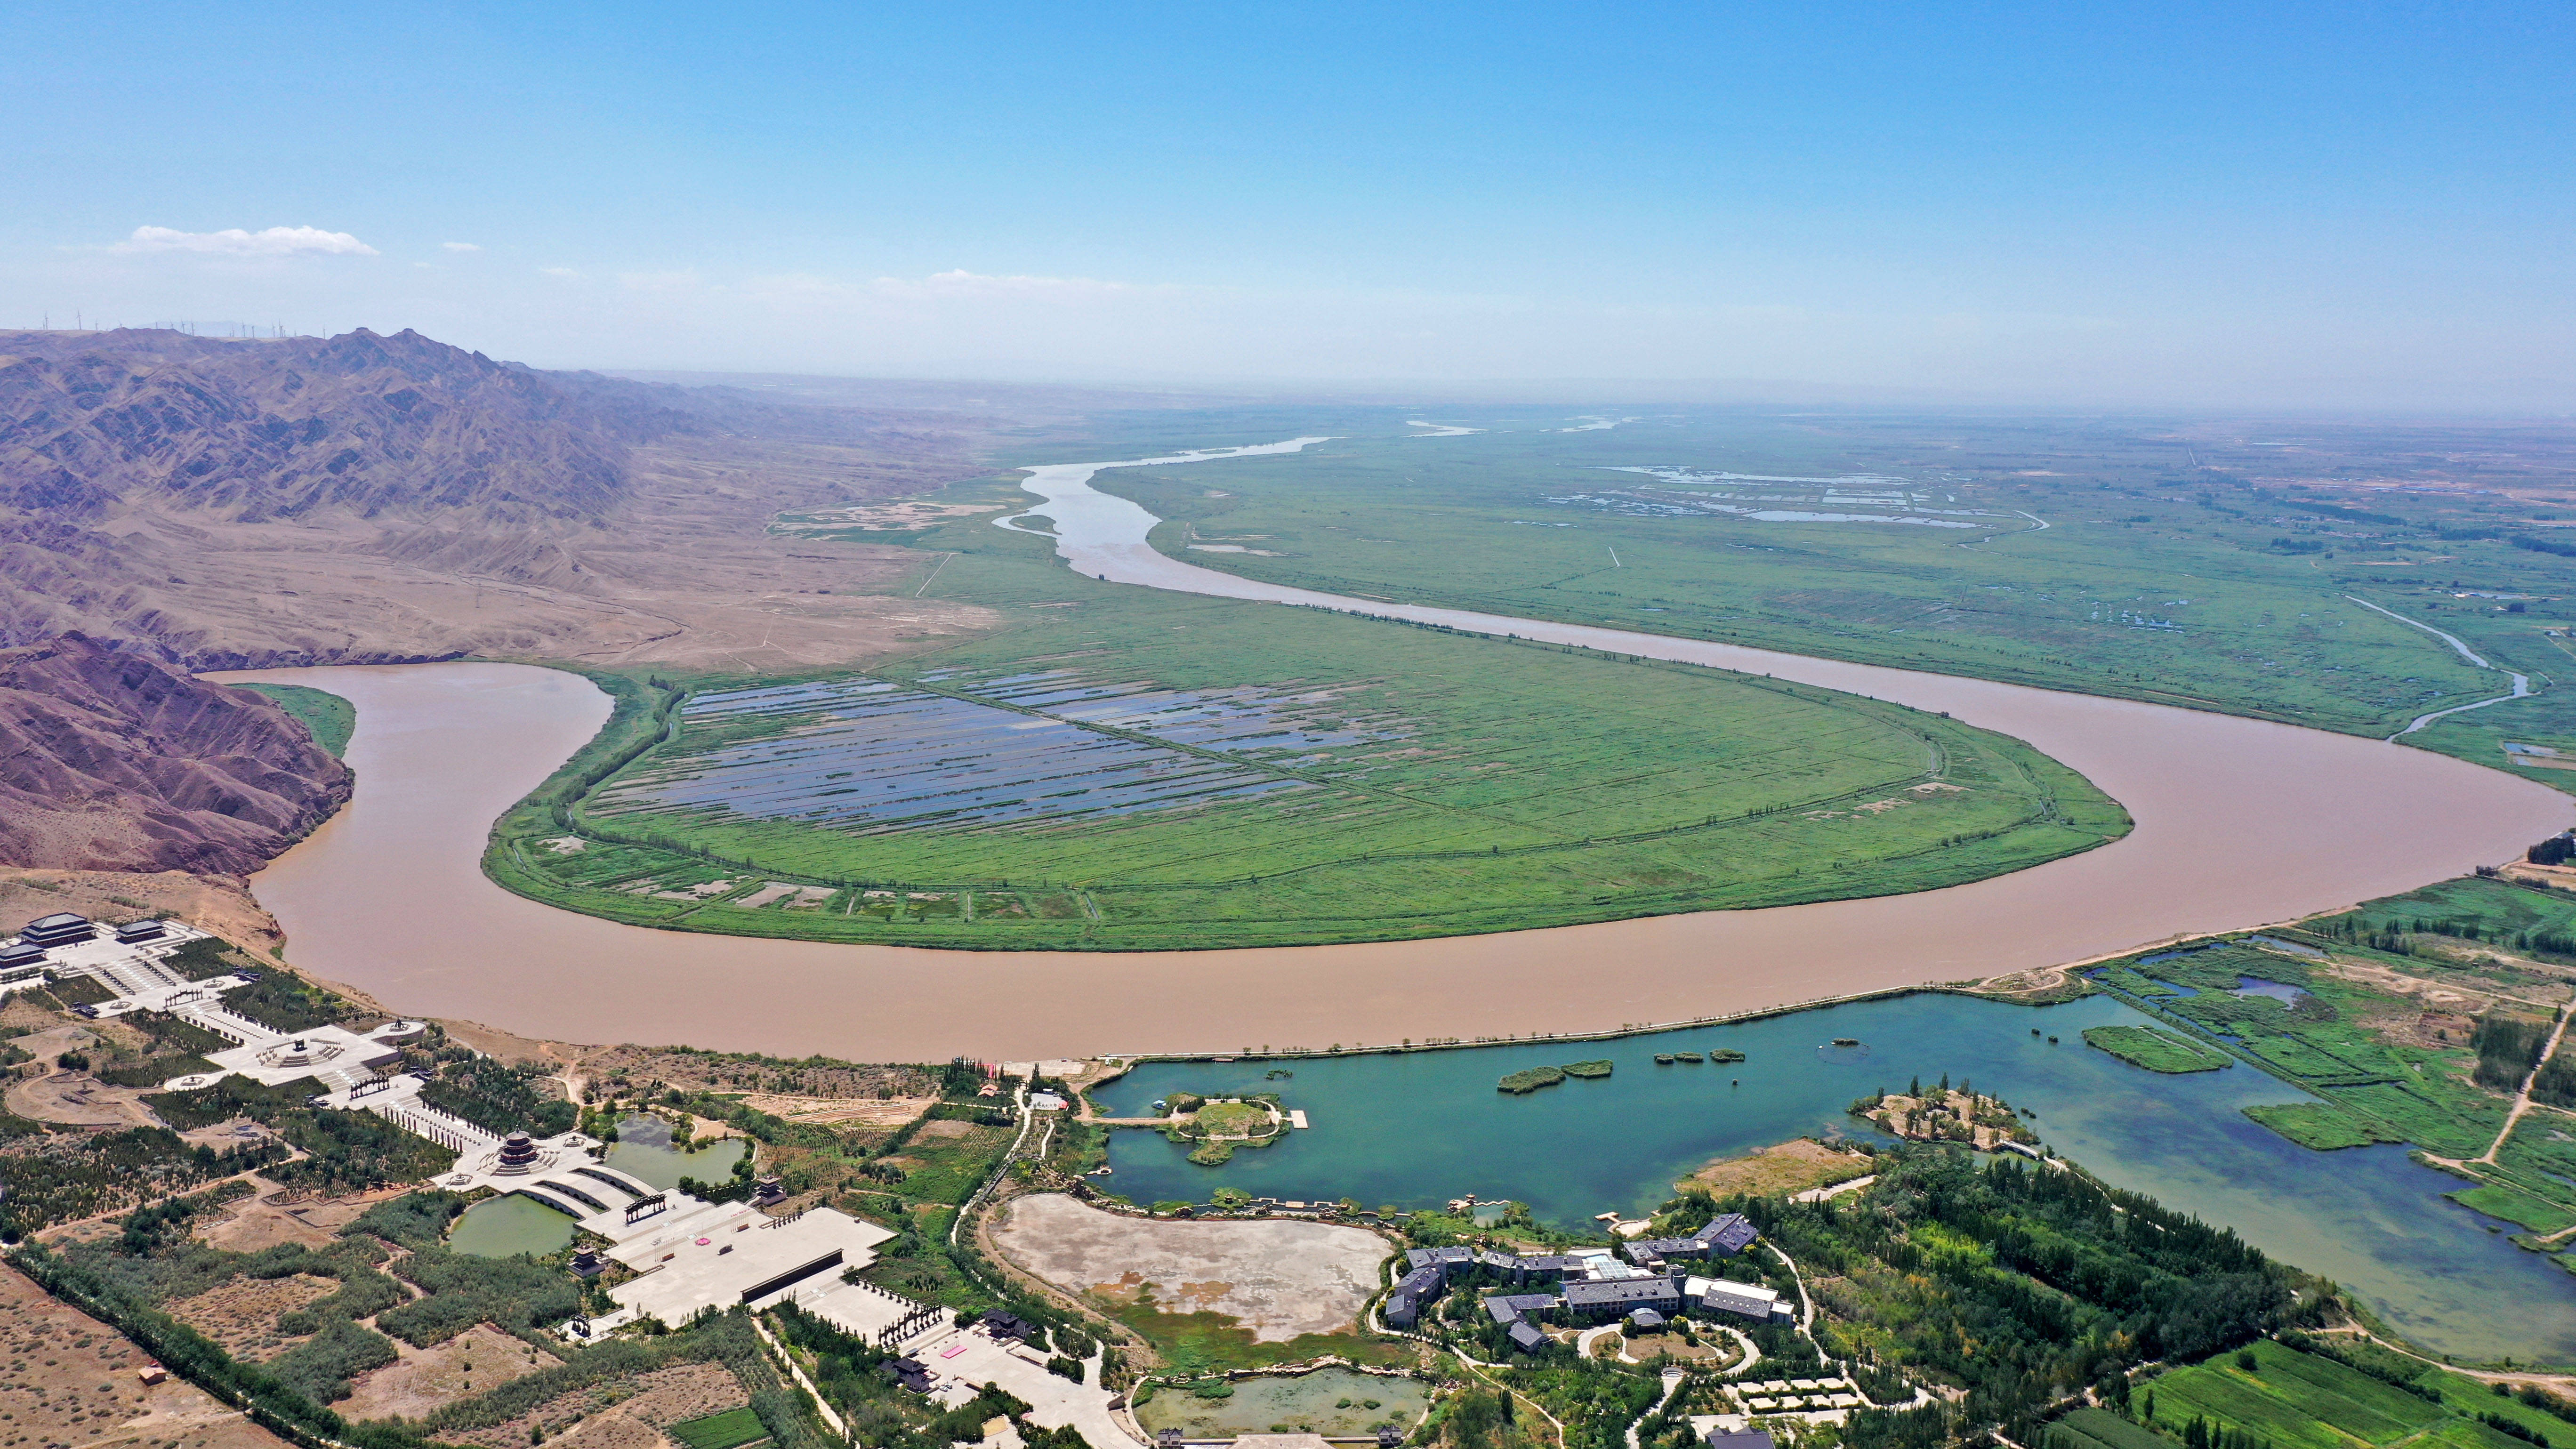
column 1278, row 1279
column 270, row 1217
column 480, row 1359
column 70, row 1379
column 1783, row 1167
column 242, row 1314
column 50, row 1035
column 616, row 1428
column 664, row 1396
column 858, row 1111
column 77, row 1099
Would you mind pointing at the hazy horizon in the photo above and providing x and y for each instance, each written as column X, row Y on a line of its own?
column 2309, row 208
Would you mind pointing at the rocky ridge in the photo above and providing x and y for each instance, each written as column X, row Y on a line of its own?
column 114, row 761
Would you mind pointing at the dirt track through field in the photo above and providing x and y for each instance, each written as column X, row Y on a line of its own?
column 2239, row 823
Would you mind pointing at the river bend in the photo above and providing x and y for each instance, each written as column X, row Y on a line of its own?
column 2239, row 823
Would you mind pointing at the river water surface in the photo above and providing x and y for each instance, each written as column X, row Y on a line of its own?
column 2239, row 823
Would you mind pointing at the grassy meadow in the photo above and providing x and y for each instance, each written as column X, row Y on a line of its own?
column 2219, row 573
column 1417, row 782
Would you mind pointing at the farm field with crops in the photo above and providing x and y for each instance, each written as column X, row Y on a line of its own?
column 1128, row 768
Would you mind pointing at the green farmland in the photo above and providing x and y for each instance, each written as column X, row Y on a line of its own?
column 1380, row 781
column 729, row 1430
column 2294, row 1400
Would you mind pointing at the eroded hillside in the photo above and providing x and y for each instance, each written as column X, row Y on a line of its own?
column 113, row 761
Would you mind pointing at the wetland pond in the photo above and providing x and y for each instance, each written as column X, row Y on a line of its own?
column 643, row 1149
column 1333, row 1402
column 505, row 1226
column 1418, row 1129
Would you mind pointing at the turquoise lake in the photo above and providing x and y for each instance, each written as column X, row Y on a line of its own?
column 1416, row 1130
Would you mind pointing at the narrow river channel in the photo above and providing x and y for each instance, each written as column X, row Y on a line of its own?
column 2239, row 823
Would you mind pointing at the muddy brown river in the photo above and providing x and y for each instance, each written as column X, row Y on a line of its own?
column 2239, row 823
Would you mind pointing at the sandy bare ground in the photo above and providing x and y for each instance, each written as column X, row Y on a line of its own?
column 1277, row 1278
column 77, row 1099
column 616, row 1428
column 89, row 1395
column 1792, row 1166
column 271, row 1216
column 50, row 1039
column 478, row 1360
column 877, row 1112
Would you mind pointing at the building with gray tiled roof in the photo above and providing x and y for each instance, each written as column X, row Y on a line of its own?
column 1596, row 1302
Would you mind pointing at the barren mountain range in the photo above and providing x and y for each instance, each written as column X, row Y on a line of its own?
column 367, row 498
column 170, row 503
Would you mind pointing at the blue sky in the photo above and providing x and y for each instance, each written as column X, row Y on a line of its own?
column 2348, row 205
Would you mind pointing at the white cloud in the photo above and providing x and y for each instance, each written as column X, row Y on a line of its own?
column 565, row 274
column 963, row 283
column 459, row 247
column 276, row 241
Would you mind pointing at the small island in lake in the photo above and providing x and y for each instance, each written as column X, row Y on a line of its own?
column 1939, row 1114
column 2156, row 1049
column 1530, row 1079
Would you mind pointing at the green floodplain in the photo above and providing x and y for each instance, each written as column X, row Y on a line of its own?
column 1123, row 768
column 2324, row 1394
column 330, row 718
column 2185, row 563
column 1136, row 769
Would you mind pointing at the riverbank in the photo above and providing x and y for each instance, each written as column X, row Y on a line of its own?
column 2229, row 815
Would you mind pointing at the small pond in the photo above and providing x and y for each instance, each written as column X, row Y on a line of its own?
column 1331, row 1402
column 644, row 1150
column 502, row 1226
column 2280, row 991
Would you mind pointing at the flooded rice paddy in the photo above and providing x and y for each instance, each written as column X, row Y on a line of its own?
column 1419, row 1129
column 864, row 755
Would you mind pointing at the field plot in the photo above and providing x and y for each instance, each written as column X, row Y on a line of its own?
column 2301, row 1400
column 867, row 756
column 1138, row 770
